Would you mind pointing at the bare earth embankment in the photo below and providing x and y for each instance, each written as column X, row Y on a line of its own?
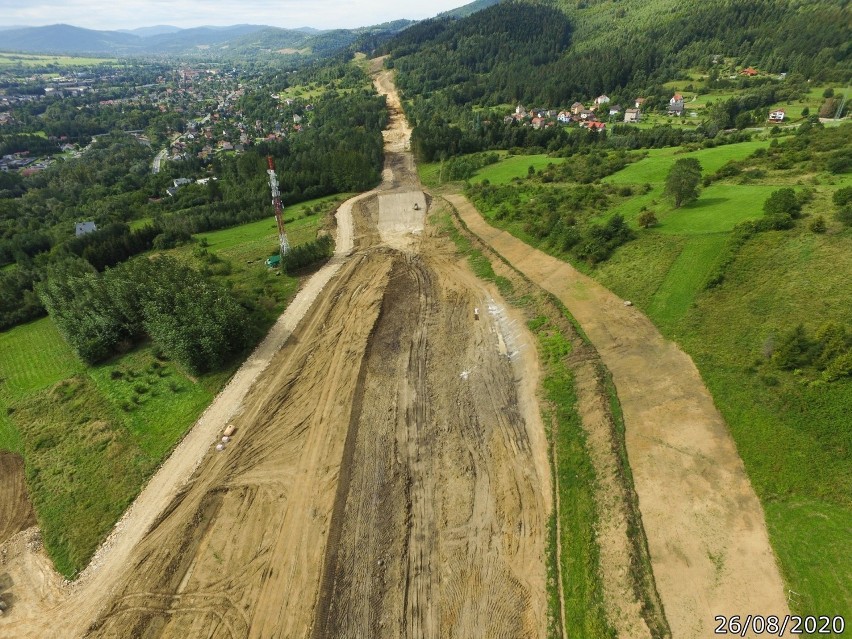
column 388, row 476
column 706, row 530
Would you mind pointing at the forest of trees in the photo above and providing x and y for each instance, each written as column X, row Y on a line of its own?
column 518, row 51
column 188, row 318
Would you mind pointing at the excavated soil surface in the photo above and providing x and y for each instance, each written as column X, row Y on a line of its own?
column 16, row 511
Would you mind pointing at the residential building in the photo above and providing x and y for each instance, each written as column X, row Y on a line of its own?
column 632, row 115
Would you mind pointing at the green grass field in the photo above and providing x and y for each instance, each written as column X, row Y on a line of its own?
column 503, row 172
column 92, row 435
column 793, row 437
column 516, row 166
column 654, row 168
column 719, row 207
column 686, row 278
column 40, row 60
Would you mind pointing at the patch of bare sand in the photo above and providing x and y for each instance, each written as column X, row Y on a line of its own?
column 706, row 531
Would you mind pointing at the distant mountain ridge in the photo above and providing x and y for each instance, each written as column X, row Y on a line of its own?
column 144, row 32
column 64, row 38
column 243, row 39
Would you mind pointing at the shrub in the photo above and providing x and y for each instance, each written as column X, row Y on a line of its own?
column 309, row 253
column 817, row 225
column 842, row 196
column 783, row 202
column 647, row 219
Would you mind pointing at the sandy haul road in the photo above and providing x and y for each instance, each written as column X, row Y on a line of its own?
column 706, row 530
column 388, row 476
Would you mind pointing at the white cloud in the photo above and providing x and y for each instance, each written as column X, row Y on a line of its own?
column 129, row 14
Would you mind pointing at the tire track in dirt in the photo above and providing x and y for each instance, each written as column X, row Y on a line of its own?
column 444, row 523
column 289, row 422
column 706, row 531
column 16, row 511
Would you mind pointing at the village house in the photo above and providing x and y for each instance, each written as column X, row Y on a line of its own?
column 675, row 105
column 601, row 100
column 639, row 103
column 615, row 110
column 749, row 71
column 632, row 115
column 564, row 117
column 594, row 126
column 537, row 122
column 576, row 108
column 777, row 115
column 586, row 114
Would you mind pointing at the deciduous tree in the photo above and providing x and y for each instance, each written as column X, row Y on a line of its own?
column 683, row 180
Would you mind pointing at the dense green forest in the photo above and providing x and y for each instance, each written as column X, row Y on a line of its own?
column 518, row 51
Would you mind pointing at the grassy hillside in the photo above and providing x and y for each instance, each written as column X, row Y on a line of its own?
column 92, row 435
column 731, row 299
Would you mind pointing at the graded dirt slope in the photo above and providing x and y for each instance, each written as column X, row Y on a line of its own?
column 706, row 530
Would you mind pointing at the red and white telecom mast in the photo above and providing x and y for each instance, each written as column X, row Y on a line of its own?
column 276, row 202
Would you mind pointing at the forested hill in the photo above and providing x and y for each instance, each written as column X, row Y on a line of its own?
column 632, row 44
column 495, row 55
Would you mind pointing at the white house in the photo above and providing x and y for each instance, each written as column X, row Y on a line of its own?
column 82, row 228
column 777, row 116
column 564, row 117
column 601, row 99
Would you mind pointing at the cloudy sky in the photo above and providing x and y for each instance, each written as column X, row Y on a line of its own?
column 129, row 14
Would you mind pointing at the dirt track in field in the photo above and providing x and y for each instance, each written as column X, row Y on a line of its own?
column 16, row 512
column 706, row 530
column 388, row 476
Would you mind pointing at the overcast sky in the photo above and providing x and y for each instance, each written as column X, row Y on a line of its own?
column 129, row 14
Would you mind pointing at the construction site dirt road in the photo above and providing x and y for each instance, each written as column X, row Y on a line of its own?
column 388, row 475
